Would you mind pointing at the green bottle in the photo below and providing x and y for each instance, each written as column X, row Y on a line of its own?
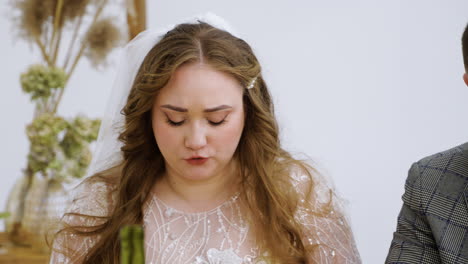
column 131, row 245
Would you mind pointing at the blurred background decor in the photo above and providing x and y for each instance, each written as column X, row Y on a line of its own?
column 63, row 31
column 132, row 245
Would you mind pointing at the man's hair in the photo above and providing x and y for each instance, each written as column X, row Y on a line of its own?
column 465, row 47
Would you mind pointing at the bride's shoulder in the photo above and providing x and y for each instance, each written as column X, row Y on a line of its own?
column 304, row 176
column 94, row 195
column 313, row 186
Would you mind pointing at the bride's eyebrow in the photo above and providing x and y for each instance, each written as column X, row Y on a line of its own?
column 184, row 110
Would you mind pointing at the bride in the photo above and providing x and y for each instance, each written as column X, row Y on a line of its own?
column 190, row 150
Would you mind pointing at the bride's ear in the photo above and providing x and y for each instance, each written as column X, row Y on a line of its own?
column 465, row 78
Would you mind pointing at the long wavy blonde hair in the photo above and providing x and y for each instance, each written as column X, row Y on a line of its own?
column 267, row 190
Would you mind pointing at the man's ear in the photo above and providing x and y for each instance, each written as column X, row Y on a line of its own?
column 465, row 78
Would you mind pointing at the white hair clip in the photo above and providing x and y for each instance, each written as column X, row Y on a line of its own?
column 252, row 83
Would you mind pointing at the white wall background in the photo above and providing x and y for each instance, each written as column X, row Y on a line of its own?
column 363, row 87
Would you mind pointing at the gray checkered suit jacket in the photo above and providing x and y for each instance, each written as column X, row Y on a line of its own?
column 433, row 223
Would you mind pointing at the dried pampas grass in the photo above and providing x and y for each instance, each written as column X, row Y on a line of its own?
column 33, row 17
column 100, row 39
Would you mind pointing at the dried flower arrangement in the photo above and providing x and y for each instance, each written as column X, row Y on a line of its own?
column 59, row 147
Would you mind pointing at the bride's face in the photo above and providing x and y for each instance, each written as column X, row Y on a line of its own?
column 197, row 119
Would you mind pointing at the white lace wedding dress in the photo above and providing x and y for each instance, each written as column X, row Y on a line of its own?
column 217, row 236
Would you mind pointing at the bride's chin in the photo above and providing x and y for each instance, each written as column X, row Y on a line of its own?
column 194, row 174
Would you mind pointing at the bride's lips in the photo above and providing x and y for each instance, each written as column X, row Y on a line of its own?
column 196, row 160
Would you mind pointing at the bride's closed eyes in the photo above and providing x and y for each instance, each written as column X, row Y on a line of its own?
column 211, row 122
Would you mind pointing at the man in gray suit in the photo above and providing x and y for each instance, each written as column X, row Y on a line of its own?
column 433, row 223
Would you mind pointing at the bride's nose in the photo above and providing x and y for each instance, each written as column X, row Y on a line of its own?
column 196, row 136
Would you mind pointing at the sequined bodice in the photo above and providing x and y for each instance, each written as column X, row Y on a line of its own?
column 218, row 236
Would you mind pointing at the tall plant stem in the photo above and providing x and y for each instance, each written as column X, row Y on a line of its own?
column 46, row 34
column 58, row 13
column 136, row 17
column 73, row 41
column 83, row 44
column 43, row 51
column 80, row 53
column 59, row 97
column 48, row 104
column 57, row 47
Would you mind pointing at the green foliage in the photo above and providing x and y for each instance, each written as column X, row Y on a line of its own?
column 43, row 135
column 60, row 148
column 39, row 81
column 131, row 245
column 4, row 215
column 80, row 131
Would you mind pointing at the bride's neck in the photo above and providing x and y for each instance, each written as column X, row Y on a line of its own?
column 199, row 195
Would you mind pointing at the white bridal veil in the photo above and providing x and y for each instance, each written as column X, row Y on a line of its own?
column 107, row 148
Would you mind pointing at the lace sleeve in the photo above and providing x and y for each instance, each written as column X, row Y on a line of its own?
column 89, row 198
column 326, row 231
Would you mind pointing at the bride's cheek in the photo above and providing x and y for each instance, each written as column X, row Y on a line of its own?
column 229, row 137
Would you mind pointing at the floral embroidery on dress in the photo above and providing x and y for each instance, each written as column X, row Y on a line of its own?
column 215, row 256
column 221, row 235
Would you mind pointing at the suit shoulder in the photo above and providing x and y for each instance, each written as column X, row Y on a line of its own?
column 441, row 159
column 445, row 172
column 430, row 168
